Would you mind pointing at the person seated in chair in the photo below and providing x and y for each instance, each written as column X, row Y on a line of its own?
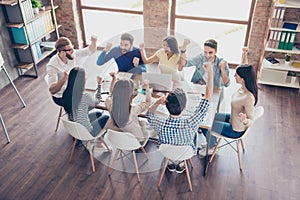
column 128, row 57
column 243, row 101
column 123, row 113
column 78, row 103
column 62, row 62
column 175, row 129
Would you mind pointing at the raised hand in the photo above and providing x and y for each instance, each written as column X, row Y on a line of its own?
column 108, row 46
column 113, row 74
column 186, row 42
column 207, row 66
column 146, row 84
column 223, row 64
column 99, row 79
column 142, row 45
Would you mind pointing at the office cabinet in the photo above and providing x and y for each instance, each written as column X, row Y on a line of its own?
column 32, row 35
column 281, row 41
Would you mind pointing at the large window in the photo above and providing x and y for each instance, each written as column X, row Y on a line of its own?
column 226, row 21
column 108, row 19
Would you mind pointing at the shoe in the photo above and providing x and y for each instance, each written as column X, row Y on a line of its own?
column 171, row 167
column 202, row 152
column 180, row 168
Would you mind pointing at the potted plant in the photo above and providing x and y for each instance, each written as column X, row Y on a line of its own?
column 36, row 4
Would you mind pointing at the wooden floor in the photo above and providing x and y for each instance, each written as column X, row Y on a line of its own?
column 35, row 164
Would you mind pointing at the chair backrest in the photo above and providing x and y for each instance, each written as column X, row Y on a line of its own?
column 257, row 113
column 123, row 140
column 77, row 130
column 176, row 153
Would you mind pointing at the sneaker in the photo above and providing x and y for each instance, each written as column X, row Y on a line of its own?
column 171, row 167
column 202, row 152
column 180, row 168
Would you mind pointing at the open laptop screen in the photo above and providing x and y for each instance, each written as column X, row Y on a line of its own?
column 159, row 82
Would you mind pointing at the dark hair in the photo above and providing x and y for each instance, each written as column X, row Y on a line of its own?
column 73, row 93
column 62, row 42
column 172, row 43
column 211, row 43
column 176, row 101
column 247, row 73
column 128, row 37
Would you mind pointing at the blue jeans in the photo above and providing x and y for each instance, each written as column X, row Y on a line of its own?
column 98, row 121
column 222, row 126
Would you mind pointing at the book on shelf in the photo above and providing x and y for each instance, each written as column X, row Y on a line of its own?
column 277, row 18
column 272, row 60
column 290, row 25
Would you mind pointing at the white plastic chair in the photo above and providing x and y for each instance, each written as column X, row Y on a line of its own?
column 79, row 132
column 258, row 112
column 125, row 141
column 176, row 153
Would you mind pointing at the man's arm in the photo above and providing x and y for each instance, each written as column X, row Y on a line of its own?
column 224, row 72
column 105, row 55
column 56, row 87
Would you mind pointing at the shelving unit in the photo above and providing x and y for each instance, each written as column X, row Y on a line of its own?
column 28, row 31
column 279, row 41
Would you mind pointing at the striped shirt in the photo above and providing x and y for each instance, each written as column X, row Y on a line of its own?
column 87, row 103
column 179, row 131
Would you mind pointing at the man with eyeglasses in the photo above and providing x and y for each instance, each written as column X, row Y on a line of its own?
column 62, row 62
column 128, row 57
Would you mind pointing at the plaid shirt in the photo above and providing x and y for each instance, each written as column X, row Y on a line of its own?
column 179, row 131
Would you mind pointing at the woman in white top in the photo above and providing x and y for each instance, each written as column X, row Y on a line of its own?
column 124, row 114
column 242, row 104
column 168, row 58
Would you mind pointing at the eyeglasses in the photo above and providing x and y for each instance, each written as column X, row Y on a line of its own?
column 67, row 50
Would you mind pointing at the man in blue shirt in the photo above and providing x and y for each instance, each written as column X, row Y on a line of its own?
column 128, row 57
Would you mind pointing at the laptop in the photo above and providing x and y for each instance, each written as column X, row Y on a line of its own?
column 159, row 82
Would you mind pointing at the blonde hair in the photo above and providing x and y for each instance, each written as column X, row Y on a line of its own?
column 121, row 101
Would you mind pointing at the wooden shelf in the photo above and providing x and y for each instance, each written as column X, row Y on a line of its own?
column 279, row 66
column 8, row 2
column 289, row 4
column 26, row 66
column 290, row 85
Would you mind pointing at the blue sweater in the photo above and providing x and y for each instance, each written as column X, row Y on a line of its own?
column 124, row 61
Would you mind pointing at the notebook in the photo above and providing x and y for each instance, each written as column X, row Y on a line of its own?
column 159, row 82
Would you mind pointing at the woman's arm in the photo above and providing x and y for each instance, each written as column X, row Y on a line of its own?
column 146, row 60
column 113, row 82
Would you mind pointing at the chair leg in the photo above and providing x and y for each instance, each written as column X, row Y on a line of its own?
column 162, row 172
column 91, row 155
column 238, row 152
column 58, row 119
column 103, row 142
column 73, row 149
column 242, row 144
column 112, row 163
column 190, row 160
column 136, row 166
column 145, row 153
column 188, row 175
column 215, row 150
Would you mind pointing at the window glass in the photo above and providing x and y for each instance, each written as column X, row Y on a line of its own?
column 230, row 37
column 136, row 5
column 229, row 9
column 97, row 23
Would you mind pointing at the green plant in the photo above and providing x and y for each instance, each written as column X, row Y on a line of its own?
column 36, row 3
